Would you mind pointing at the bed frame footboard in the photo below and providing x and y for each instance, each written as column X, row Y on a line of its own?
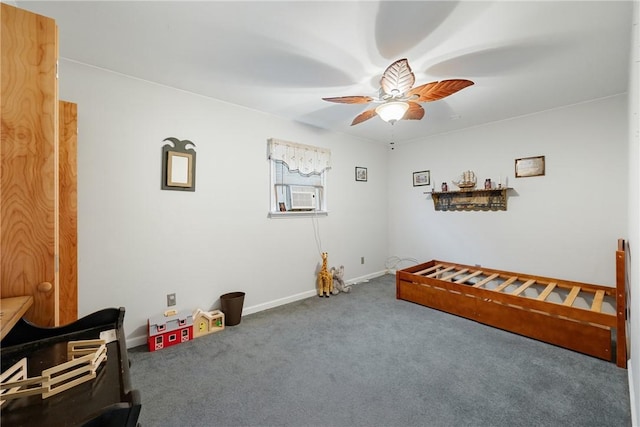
column 622, row 301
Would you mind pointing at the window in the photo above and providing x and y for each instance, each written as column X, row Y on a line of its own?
column 298, row 178
column 172, row 337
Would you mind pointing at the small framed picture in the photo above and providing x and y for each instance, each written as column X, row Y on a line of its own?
column 178, row 165
column 529, row 166
column 421, row 178
column 361, row 173
column 282, row 207
column 179, row 169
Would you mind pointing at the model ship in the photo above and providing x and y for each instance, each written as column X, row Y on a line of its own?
column 466, row 181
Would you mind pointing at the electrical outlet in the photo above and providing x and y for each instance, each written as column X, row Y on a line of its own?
column 171, row 300
column 361, row 260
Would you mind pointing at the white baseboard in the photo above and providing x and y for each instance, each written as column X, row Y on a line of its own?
column 632, row 399
column 136, row 341
column 142, row 340
column 304, row 295
column 278, row 302
column 366, row 277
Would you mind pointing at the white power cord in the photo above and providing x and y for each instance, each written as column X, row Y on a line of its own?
column 392, row 262
column 316, row 231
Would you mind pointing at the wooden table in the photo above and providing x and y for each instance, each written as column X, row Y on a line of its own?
column 11, row 310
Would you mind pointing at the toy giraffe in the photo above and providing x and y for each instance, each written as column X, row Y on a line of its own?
column 325, row 279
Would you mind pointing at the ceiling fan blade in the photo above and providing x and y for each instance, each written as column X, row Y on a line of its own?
column 397, row 78
column 364, row 116
column 350, row 99
column 415, row 112
column 438, row 90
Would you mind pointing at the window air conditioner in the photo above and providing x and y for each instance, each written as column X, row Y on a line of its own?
column 303, row 197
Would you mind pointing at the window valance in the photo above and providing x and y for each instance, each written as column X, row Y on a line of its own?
column 306, row 159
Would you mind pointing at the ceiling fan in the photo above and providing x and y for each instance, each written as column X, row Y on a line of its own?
column 398, row 98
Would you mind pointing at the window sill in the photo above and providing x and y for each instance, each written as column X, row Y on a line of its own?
column 300, row 214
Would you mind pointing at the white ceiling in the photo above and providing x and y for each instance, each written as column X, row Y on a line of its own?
column 282, row 57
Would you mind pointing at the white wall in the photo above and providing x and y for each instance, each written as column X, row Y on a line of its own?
column 634, row 215
column 137, row 243
column 564, row 224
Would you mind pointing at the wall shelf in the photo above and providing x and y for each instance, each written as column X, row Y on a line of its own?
column 471, row 200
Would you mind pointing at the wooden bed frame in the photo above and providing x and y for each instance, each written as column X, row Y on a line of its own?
column 573, row 315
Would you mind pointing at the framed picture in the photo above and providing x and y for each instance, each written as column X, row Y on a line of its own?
column 529, row 166
column 178, row 165
column 179, row 169
column 282, row 207
column 421, row 178
column 361, row 173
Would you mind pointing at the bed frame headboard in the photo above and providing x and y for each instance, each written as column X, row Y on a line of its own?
column 622, row 299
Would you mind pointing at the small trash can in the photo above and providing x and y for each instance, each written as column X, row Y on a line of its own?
column 231, row 306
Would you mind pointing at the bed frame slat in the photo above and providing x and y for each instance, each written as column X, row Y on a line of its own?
column 427, row 270
column 524, row 286
column 597, row 301
column 506, row 283
column 550, row 287
column 470, row 276
column 572, row 296
column 451, row 276
column 487, row 280
column 434, row 274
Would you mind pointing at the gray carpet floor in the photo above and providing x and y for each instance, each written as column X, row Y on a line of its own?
column 367, row 359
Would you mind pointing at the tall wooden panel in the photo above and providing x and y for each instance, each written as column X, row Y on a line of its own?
column 68, row 212
column 29, row 161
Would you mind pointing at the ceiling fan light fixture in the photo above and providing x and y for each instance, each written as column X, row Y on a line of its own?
column 392, row 111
